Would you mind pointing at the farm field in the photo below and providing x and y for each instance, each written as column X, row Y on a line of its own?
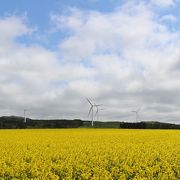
column 89, row 154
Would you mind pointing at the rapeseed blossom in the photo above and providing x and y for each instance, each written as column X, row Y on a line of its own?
column 89, row 154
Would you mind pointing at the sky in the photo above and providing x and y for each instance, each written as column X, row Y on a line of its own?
column 123, row 54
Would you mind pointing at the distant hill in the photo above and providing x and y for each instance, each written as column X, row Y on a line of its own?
column 149, row 125
column 16, row 122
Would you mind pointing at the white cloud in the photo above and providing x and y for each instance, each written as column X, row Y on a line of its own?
column 123, row 59
column 131, row 52
column 32, row 76
column 169, row 17
column 163, row 3
column 11, row 27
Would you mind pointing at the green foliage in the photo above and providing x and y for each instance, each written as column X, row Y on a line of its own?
column 15, row 122
column 98, row 124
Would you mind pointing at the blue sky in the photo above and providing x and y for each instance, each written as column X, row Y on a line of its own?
column 123, row 54
column 38, row 14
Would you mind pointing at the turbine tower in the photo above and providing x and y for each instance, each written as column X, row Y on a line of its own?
column 137, row 114
column 25, row 110
column 91, row 111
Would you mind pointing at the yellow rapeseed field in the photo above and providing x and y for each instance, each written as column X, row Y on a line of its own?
column 89, row 154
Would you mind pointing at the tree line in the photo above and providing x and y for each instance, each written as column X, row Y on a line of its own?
column 16, row 122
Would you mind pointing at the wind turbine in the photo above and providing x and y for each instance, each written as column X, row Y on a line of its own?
column 97, row 111
column 137, row 114
column 25, row 110
column 91, row 111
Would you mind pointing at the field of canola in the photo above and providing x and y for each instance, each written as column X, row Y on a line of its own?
column 89, row 154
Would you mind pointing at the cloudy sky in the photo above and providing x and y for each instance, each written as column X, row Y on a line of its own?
column 123, row 54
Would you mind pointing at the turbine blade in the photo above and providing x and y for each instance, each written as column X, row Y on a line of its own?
column 90, row 110
column 89, row 101
column 97, row 111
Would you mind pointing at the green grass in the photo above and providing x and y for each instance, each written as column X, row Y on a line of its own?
column 87, row 124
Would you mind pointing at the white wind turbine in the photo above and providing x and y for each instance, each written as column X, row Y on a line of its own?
column 25, row 120
column 137, row 114
column 91, row 111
